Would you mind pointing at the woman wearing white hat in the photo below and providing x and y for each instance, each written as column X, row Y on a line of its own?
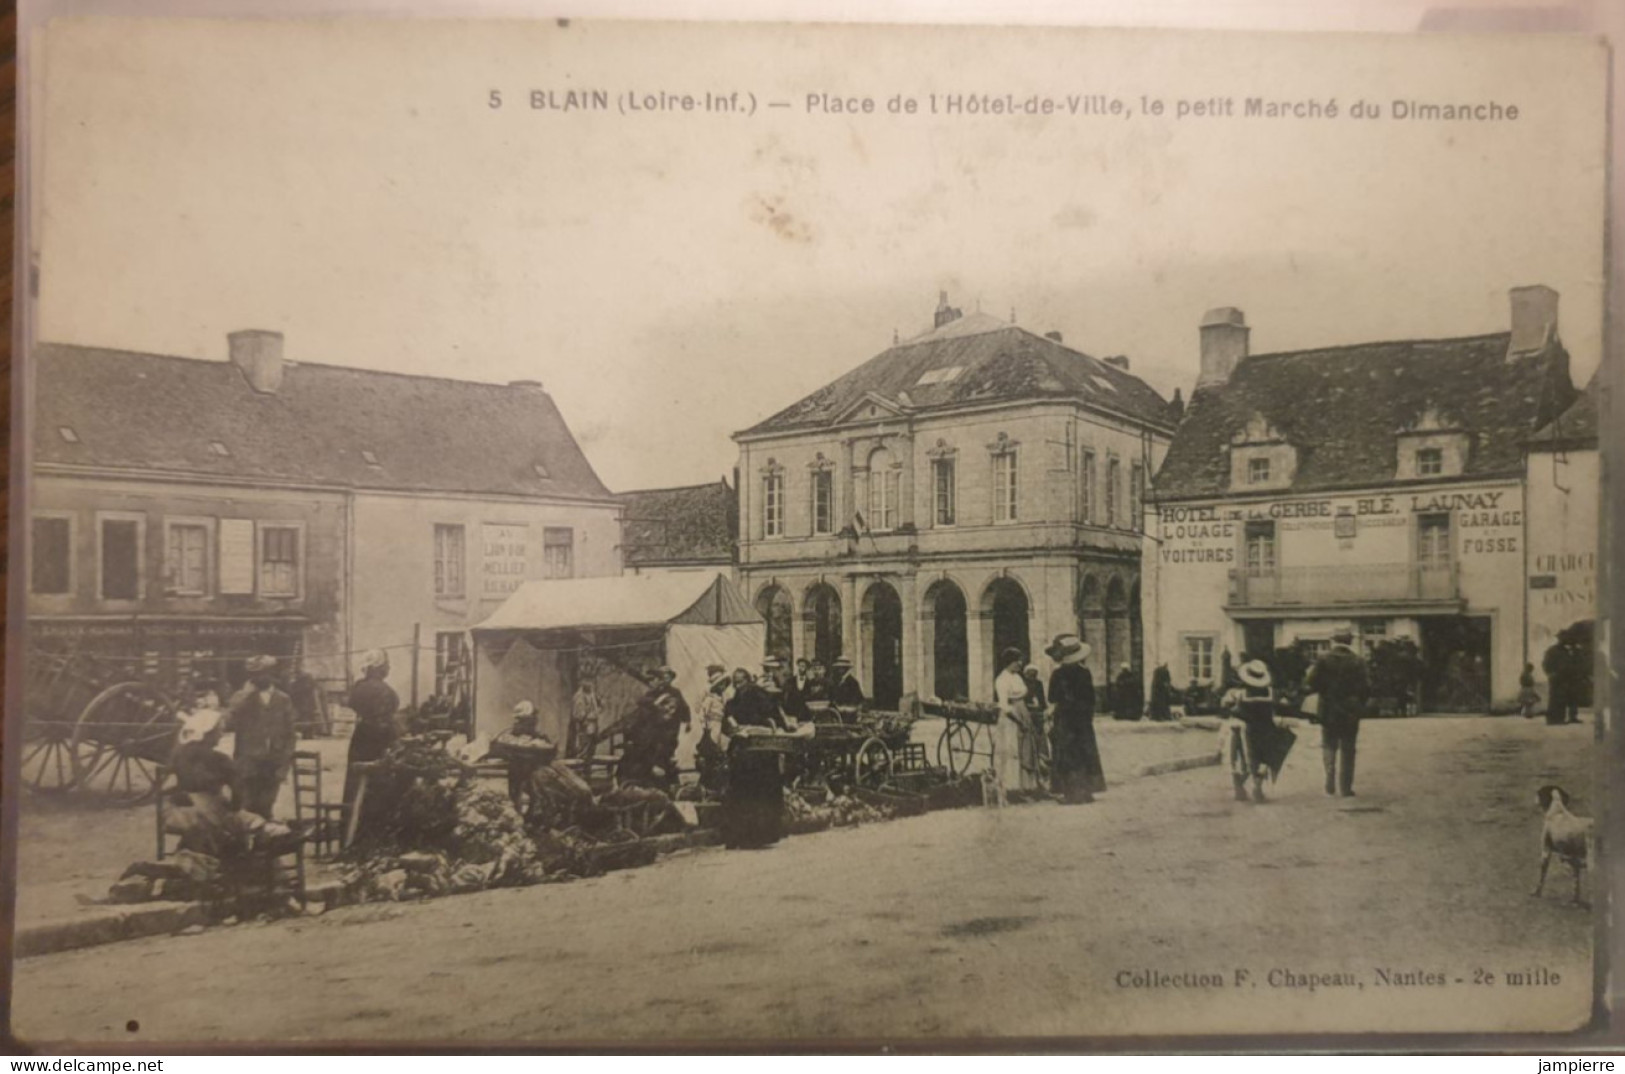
column 1244, row 739
column 1076, row 775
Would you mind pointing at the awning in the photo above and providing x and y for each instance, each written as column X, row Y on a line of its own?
column 647, row 600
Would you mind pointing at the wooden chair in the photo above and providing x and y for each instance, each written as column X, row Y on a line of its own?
column 326, row 819
column 244, row 878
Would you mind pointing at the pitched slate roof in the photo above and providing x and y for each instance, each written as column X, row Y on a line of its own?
column 975, row 359
column 159, row 413
column 1343, row 408
column 1576, row 427
column 690, row 524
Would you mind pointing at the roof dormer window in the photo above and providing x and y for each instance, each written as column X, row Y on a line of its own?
column 369, row 458
column 67, row 434
column 1261, row 457
column 939, row 376
column 541, row 471
column 220, row 449
column 1258, row 471
column 1431, row 446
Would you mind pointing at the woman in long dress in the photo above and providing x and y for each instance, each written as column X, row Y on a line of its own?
column 753, row 805
column 1247, row 732
column 1010, row 691
column 1076, row 775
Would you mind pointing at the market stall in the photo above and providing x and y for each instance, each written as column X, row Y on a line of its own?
column 551, row 636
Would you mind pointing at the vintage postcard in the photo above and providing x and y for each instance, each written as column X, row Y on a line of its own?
column 589, row 533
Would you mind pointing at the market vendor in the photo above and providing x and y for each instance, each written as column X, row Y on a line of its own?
column 201, row 806
column 848, row 692
column 713, row 744
column 525, row 749
column 817, row 684
column 374, row 703
column 261, row 717
column 778, row 678
column 753, row 806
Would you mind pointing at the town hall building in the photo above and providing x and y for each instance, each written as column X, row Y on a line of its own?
column 976, row 488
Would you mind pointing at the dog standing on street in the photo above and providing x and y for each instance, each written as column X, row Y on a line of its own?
column 1569, row 837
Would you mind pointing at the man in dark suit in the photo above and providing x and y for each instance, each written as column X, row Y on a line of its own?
column 262, row 718
column 1339, row 678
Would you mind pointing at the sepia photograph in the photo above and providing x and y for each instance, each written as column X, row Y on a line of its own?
column 594, row 534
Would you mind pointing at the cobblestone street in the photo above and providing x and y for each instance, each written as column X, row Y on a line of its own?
column 1129, row 916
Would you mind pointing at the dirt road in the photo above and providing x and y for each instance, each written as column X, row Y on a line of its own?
column 1133, row 915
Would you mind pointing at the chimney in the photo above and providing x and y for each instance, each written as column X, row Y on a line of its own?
column 258, row 353
column 945, row 313
column 1224, row 344
column 1056, row 336
column 1177, row 405
column 1534, row 318
column 1118, row 360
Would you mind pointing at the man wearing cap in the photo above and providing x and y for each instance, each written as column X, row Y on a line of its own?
column 262, row 718
column 1339, row 678
column 848, row 692
column 374, row 703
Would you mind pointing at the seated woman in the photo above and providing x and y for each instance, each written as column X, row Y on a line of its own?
column 753, row 805
column 201, row 807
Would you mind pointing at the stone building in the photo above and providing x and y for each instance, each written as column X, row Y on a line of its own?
column 1562, row 496
column 1375, row 485
column 186, row 514
column 975, row 488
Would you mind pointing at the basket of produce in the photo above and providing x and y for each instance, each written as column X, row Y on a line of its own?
column 962, row 711
column 892, row 728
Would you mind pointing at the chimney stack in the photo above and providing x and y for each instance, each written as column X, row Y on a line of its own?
column 1224, row 344
column 1118, row 360
column 258, row 353
column 945, row 313
column 1534, row 318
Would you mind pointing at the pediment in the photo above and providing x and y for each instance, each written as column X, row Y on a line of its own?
column 872, row 406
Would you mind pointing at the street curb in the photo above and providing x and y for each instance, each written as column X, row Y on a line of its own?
column 106, row 924
column 1179, row 764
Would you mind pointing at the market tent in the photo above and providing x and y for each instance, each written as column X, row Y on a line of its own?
column 550, row 636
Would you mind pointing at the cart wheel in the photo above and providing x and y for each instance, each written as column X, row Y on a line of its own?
column 120, row 740
column 47, row 766
column 871, row 764
column 956, row 749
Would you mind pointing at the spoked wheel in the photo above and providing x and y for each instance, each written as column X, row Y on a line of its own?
column 956, row 749
column 871, row 764
column 120, row 740
column 48, row 756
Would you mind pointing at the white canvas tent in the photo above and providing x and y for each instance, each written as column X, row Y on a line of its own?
column 549, row 636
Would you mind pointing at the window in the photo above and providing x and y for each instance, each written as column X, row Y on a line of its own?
column 450, row 561
column 1314, row 648
column 1372, row 632
column 51, row 570
column 558, row 552
column 823, row 502
column 1087, row 494
column 1433, row 540
column 773, row 505
column 279, row 561
column 1136, row 497
column 1260, row 556
column 1429, row 461
column 1258, row 471
column 1006, row 487
column 885, row 484
column 1199, row 659
column 186, row 558
column 450, row 661
column 944, row 491
column 1114, row 481
column 120, row 557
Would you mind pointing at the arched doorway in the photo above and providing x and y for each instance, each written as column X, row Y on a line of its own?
column 821, row 620
column 774, row 606
column 947, row 640
column 1007, row 611
column 882, row 614
column 1117, row 626
column 1092, row 623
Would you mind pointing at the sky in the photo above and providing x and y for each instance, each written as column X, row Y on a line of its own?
column 671, row 277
